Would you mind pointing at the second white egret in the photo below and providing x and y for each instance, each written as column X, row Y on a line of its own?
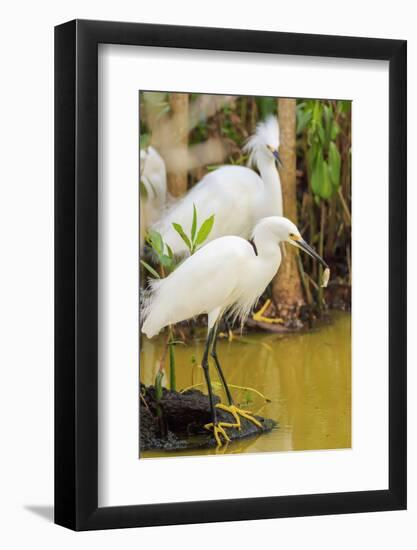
column 153, row 177
column 236, row 195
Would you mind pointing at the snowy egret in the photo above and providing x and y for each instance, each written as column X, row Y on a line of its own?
column 237, row 195
column 154, row 179
column 227, row 275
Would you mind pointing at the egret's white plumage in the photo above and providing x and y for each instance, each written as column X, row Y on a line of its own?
column 154, row 178
column 227, row 274
column 236, row 195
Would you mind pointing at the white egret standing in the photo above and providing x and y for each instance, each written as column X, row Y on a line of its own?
column 237, row 195
column 154, row 179
column 228, row 274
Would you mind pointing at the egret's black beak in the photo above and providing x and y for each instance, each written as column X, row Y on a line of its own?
column 277, row 158
column 307, row 248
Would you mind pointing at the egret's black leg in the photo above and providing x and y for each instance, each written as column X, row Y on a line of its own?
column 205, row 365
column 227, row 324
column 231, row 408
column 213, row 353
column 229, row 328
column 215, row 426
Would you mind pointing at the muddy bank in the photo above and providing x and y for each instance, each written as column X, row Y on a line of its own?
column 177, row 421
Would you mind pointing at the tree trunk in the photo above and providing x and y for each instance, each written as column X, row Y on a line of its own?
column 286, row 287
column 177, row 181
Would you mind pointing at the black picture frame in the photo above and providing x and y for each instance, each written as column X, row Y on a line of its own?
column 76, row 271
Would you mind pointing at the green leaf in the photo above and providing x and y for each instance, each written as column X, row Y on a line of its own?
column 312, row 156
column 321, row 134
column 212, row 167
column 194, row 224
column 328, row 119
column 172, row 378
column 170, row 251
column 178, row 228
column 328, row 114
column 155, row 240
column 343, row 106
column 266, row 105
column 165, row 260
column 204, row 230
column 150, row 269
column 334, row 164
column 326, row 190
column 317, row 111
column 335, row 130
column 303, row 120
column 320, row 178
column 158, row 385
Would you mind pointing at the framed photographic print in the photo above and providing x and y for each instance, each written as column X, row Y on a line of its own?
column 230, row 275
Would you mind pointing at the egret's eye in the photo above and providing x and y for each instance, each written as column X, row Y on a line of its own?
column 294, row 237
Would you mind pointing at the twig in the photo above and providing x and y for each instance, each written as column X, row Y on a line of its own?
column 312, row 281
column 304, row 281
column 345, row 207
column 349, row 263
column 245, row 388
column 144, row 402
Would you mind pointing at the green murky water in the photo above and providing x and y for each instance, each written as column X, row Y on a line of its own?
column 306, row 376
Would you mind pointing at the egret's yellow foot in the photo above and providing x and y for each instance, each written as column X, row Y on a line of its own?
column 218, row 430
column 259, row 315
column 236, row 413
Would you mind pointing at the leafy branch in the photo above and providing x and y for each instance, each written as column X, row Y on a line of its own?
column 196, row 238
column 165, row 258
column 320, row 120
column 163, row 253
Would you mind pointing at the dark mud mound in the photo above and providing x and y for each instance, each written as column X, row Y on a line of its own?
column 177, row 421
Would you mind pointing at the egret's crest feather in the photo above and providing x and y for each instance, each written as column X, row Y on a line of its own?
column 267, row 133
